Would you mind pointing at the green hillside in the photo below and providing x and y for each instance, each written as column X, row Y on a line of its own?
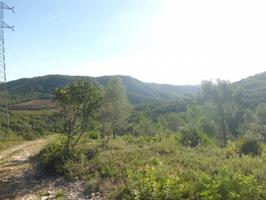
column 254, row 89
column 138, row 92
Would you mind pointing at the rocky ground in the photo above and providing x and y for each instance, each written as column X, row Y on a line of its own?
column 18, row 180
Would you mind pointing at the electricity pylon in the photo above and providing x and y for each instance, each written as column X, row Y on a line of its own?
column 4, row 110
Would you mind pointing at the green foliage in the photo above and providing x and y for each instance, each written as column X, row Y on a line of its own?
column 78, row 105
column 159, row 182
column 155, row 182
column 157, row 167
column 223, row 101
column 52, row 158
column 141, row 125
column 92, row 186
column 162, row 108
column 30, row 125
column 261, row 113
column 55, row 160
column 94, row 135
column 115, row 107
column 202, row 117
column 172, row 121
column 192, row 137
column 232, row 186
column 9, row 142
column 250, row 146
column 61, row 194
column 261, row 120
column 151, row 163
column 254, row 90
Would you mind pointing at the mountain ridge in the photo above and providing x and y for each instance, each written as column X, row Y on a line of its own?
column 42, row 87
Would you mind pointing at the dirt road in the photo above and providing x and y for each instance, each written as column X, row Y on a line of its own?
column 19, row 181
column 17, row 178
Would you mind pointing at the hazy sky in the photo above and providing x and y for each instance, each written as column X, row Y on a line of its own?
column 164, row 41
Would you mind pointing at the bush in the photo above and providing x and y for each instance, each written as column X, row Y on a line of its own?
column 92, row 186
column 152, row 182
column 51, row 158
column 232, row 186
column 157, row 182
column 94, row 135
column 54, row 159
column 192, row 137
column 250, row 146
column 91, row 153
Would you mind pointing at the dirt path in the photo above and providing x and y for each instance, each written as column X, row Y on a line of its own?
column 19, row 181
column 16, row 173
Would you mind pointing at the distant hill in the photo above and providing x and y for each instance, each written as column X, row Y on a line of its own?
column 43, row 87
column 27, row 89
column 254, row 89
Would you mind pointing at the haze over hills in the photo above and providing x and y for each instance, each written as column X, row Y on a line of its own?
column 138, row 92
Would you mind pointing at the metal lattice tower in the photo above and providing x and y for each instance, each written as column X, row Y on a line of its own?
column 4, row 110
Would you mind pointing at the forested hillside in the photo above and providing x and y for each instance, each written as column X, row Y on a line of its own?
column 137, row 91
column 254, row 88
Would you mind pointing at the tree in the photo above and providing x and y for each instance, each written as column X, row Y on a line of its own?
column 202, row 117
column 115, row 108
column 224, row 101
column 172, row 121
column 261, row 116
column 141, row 125
column 78, row 105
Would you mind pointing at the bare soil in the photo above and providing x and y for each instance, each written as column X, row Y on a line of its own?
column 35, row 104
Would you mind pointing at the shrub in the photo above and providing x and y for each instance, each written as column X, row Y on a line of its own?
column 250, row 146
column 192, row 137
column 129, row 138
column 51, row 158
column 92, row 186
column 157, row 182
column 107, row 170
column 54, row 159
column 91, row 153
column 154, row 182
column 94, row 135
column 232, row 186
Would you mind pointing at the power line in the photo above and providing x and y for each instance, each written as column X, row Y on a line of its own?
column 4, row 105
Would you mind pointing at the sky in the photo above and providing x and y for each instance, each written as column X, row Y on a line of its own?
column 163, row 41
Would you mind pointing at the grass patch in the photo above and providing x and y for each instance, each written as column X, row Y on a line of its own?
column 8, row 140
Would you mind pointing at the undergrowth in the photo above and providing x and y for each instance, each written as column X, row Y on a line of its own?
column 159, row 168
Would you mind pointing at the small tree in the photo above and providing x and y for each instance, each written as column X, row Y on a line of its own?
column 78, row 105
column 251, row 146
column 115, row 108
